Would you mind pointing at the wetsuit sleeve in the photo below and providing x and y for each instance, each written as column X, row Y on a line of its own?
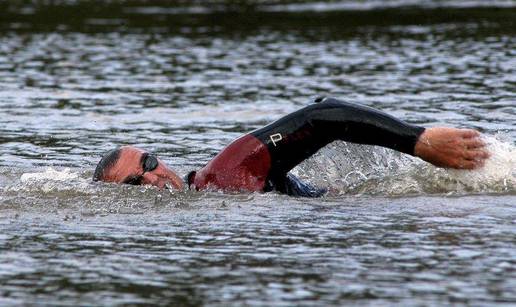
column 293, row 186
column 297, row 136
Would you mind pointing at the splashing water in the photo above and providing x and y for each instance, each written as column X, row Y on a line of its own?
column 53, row 190
column 360, row 169
column 49, row 174
column 346, row 168
column 498, row 174
column 52, row 180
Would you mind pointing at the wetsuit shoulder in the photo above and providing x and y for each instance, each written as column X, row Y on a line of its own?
column 242, row 166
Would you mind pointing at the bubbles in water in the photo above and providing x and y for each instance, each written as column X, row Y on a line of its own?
column 356, row 169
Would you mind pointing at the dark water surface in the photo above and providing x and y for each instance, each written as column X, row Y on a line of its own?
column 183, row 83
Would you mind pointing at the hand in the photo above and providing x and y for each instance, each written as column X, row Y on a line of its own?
column 451, row 147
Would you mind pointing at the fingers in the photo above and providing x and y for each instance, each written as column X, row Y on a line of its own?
column 474, row 147
column 472, row 159
column 476, row 154
column 469, row 133
column 474, row 143
column 470, row 164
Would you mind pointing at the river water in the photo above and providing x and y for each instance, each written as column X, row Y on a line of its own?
column 183, row 83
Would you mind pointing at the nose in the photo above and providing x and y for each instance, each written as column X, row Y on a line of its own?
column 150, row 179
column 162, row 176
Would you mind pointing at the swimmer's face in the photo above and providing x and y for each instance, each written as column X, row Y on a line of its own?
column 138, row 167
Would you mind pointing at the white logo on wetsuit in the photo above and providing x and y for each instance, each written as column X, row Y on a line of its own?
column 275, row 138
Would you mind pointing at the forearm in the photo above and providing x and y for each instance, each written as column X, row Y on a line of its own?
column 354, row 123
column 299, row 135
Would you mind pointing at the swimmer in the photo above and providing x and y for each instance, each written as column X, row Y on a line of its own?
column 261, row 160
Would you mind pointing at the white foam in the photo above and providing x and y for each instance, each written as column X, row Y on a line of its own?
column 52, row 181
column 499, row 170
column 49, row 174
column 350, row 168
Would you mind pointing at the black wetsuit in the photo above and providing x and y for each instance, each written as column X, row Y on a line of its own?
column 269, row 153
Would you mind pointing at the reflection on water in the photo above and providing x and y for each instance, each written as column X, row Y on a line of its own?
column 183, row 82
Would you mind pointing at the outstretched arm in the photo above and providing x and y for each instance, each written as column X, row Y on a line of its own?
column 297, row 136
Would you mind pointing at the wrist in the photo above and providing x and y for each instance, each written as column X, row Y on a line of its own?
column 421, row 142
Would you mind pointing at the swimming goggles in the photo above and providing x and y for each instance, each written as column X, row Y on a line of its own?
column 149, row 163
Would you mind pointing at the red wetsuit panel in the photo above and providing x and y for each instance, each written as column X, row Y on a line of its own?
column 243, row 165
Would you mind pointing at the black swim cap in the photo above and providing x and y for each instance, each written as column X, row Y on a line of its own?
column 108, row 160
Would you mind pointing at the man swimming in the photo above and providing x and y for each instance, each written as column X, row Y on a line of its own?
column 261, row 160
